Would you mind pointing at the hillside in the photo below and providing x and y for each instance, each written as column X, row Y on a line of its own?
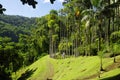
column 80, row 68
column 11, row 26
column 16, row 20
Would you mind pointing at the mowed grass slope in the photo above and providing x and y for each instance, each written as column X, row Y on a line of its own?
column 80, row 68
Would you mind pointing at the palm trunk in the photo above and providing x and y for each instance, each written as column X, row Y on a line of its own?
column 108, row 29
column 114, row 60
column 60, row 34
column 118, row 14
column 99, row 35
column 99, row 44
column 101, row 65
column 108, row 32
column 90, row 44
column 67, row 37
column 50, row 45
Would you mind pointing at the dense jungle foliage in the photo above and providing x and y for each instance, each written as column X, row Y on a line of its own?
column 81, row 28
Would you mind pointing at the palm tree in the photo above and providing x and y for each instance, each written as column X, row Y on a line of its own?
column 53, row 29
column 88, row 20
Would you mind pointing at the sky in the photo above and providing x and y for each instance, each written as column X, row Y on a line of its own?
column 15, row 7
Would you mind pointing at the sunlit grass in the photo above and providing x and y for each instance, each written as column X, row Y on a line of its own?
column 69, row 68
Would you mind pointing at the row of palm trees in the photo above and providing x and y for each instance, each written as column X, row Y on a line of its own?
column 86, row 29
column 83, row 27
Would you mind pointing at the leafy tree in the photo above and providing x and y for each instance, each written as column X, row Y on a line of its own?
column 9, row 57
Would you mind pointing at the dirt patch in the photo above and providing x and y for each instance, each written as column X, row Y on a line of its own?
column 90, row 77
column 113, row 65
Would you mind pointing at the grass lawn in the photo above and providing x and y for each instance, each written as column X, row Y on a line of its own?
column 80, row 68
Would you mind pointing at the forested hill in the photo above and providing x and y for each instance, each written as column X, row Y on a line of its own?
column 11, row 26
column 16, row 20
column 18, row 45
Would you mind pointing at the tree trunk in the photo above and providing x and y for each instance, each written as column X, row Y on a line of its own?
column 99, row 35
column 113, row 18
column 108, row 29
column 101, row 65
column 50, row 45
column 114, row 59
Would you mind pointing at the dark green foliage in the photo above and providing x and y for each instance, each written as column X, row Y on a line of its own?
column 87, row 3
column 94, row 49
column 4, row 75
column 16, row 50
column 18, row 21
column 115, row 37
column 28, row 49
column 9, row 57
column 10, row 31
column 12, row 26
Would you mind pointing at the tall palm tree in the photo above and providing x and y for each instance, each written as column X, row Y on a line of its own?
column 88, row 20
column 53, row 29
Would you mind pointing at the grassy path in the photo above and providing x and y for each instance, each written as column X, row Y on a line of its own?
column 80, row 68
column 50, row 70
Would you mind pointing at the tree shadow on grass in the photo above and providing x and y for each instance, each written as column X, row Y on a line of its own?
column 117, row 77
column 27, row 74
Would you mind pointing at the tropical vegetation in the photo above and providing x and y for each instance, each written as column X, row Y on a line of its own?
column 81, row 28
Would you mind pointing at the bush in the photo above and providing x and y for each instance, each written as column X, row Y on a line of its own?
column 43, row 54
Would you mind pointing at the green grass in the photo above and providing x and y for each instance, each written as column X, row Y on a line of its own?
column 68, row 69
